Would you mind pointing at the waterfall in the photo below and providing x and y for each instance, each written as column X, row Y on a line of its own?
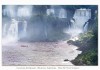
column 81, row 16
column 24, row 28
column 62, row 13
column 13, row 30
column 24, row 11
column 4, row 30
column 86, row 27
column 50, row 12
column 57, row 11
column 10, row 34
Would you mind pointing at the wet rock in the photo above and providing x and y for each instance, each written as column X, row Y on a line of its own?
column 66, row 60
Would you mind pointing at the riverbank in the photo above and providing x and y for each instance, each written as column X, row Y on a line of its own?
column 88, row 44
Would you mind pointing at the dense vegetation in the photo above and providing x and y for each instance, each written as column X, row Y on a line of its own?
column 88, row 44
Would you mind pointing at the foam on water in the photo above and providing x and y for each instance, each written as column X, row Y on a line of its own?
column 81, row 16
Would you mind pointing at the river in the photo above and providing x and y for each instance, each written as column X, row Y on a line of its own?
column 38, row 53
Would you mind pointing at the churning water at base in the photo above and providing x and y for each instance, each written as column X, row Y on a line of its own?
column 11, row 34
column 81, row 17
column 13, row 30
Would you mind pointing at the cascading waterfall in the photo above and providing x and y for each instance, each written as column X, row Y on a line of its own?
column 10, row 34
column 13, row 30
column 23, row 29
column 50, row 11
column 81, row 16
column 62, row 13
column 86, row 27
column 4, row 30
column 57, row 11
column 78, row 21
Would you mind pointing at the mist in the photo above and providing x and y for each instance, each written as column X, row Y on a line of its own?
column 49, row 35
column 43, row 23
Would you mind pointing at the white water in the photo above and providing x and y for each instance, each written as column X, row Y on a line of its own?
column 62, row 13
column 4, row 29
column 50, row 11
column 24, row 11
column 57, row 12
column 9, row 11
column 10, row 30
column 24, row 28
column 13, row 29
column 81, row 16
column 86, row 27
column 11, row 35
